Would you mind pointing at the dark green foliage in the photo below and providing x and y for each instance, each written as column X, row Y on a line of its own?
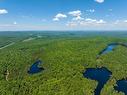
column 65, row 59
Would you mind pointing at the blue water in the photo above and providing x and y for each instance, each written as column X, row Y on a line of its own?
column 108, row 49
column 121, row 86
column 34, row 68
column 101, row 75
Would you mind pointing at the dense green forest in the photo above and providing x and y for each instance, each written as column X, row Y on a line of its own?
column 65, row 57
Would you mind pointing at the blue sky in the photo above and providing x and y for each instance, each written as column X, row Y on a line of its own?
column 63, row 15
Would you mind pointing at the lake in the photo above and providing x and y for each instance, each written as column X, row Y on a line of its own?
column 121, row 86
column 101, row 75
column 35, row 67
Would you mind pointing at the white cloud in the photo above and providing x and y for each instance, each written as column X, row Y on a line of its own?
column 55, row 19
column 3, row 11
column 75, row 13
column 71, row 24
column 15, row 23
column 125, row 21
column 87, row 22
column 120, row 22
column 59, row 16
column 78, row 18
column 101, row 21
column 99, row 1
column 91, row 10
column 117, row 22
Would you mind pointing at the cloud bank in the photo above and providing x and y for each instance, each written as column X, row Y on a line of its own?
column 59, row 16
column 99, row 1
column 3, row 11
column 76, row 15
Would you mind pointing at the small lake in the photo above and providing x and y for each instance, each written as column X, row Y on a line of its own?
column 35, row 67
column 121, row 86
column 110, row 47
column 101, row 75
